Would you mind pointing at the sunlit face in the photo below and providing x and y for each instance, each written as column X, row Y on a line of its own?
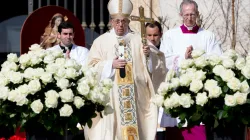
column 66, row 37
column 58, row 21
column 120, row 25
column 153, row 35
column 189, row 14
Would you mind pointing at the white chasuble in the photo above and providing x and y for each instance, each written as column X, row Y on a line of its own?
column 134, row 117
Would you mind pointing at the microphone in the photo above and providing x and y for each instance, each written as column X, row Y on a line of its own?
column 121, row 56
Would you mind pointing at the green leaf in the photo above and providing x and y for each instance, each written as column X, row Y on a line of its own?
column 248, row 101
column 89, row 123
column 182, row 116
column 216, row 123
column 225, row 88
column 195, row 117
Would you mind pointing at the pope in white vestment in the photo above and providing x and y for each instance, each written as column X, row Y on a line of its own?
column 134, row 116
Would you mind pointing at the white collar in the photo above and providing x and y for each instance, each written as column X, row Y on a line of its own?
column 189, row 28
column 112, row 31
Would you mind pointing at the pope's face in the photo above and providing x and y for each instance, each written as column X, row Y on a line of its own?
column 189, row 14
column 120, row 25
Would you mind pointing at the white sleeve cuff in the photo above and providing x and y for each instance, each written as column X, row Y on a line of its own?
column 107, row 71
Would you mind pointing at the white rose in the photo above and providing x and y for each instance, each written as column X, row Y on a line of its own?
column 234, row 84
column 51, row 93
column 163, row 88
column 185, row 100
column 66, row 95
column 105, row 90
column 34, row 86
column 3, row 81
column 241, row 98
column 157, row 100
column 49, row 59
column 28, row 73
column 167, row 104
column 61, row 72
column 174, row 99
column 66, row 110
column 175, row 82
column 218, row 69
column 83, row 89
column 21, row 99
column 185, row 80
column 108, row 110
column 244, row 87
column 12, row 95
column 37, row 106
column 200, row 62
column 200, row 75
column 24, row 60
column 230, row 53
column 71, row 73
column 240, row 63
column 70, row 63
column 186, row 63
column 4, row 93
column 51, row 102
column 95, row 94
column 78, row 102
column 52, row 68
column 37, row 73
column 15, row 77
column 23, row 89
column 246, row 71
column 35, row 47
column 196, row 85
column 230, row 100
column 60, row 61
column 12, row 57
column 214, row 60
column 201, row 99
column 227, row 75
column 57, row 53
column 228, row 63
column 34, row 60
column 107, row 83
column 214, row 92
column 9, row 66
column 62, row 83
column 46, row 77
column 170, row 75
column 197, row 53
column 210, row 84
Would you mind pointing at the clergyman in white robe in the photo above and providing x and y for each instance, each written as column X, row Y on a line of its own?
column 101, row 56
column 78, row 53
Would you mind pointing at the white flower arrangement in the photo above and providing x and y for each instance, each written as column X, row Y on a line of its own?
column 207, row 89
column 43, row 86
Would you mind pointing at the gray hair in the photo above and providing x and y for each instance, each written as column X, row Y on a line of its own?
column 186, row 2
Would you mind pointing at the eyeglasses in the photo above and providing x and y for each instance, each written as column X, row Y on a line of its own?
column 118, row 21
column 189, row 15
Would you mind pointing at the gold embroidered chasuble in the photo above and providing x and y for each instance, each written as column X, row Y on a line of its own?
column 134, row 117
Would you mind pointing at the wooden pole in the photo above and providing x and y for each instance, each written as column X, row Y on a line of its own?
column 233, row 27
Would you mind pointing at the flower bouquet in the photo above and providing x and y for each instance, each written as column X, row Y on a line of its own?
column 208, row 89
column 44, row 87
